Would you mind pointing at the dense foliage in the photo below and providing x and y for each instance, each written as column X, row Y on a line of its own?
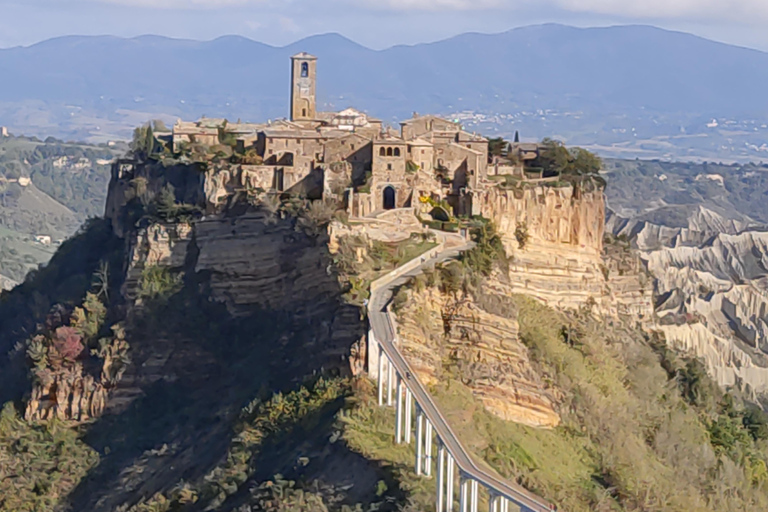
column 39, row 464
column 643, row 429
column 556, row 158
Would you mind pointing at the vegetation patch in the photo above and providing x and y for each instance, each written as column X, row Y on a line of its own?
column 642, row 429
column 39, row 464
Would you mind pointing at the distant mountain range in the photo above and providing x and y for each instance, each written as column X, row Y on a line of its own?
column 590, row 85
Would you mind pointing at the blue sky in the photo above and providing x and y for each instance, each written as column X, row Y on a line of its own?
column 374, row 23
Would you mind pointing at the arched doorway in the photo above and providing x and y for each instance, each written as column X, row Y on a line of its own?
column 389, row 198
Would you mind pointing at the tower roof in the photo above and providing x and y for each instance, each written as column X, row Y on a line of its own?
column 303, row 56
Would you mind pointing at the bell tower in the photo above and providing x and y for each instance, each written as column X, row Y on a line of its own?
column 303, row 81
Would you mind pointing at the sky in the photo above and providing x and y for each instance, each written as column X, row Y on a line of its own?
column 374, row 23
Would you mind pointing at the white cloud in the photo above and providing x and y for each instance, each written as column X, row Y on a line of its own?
column 738, row 10
column 659, row 9
column 181, row 4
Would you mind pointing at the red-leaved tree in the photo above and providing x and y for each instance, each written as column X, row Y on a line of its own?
column 68, row 343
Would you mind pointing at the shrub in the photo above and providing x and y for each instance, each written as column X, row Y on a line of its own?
column 68, row 343
column 39, row 464
column 158, row 283
column 521, row 235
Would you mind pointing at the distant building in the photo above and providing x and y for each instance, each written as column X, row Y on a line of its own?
column 4, row 131
column 43, row 239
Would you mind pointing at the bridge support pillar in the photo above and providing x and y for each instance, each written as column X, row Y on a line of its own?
column 475, row 496
column 463, row 494
column 399, row 412
column 440, row 476
column 493, row 503
column 408, row 415
column 390, row 381
column 419, row 440
column 450, row 477
column 503, row 504
column 381, row 377
column 428, row 450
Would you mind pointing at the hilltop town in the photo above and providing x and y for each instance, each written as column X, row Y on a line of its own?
column 374, row 166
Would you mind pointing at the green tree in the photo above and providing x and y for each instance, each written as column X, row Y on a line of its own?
column 496, row 146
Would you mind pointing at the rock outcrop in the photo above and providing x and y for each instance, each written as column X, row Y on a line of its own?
column 67, row 396
column 711, row 283
column 437, row 331
column 554, row 236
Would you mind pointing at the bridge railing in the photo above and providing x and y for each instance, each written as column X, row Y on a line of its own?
column 447, row 438
column 467, row 466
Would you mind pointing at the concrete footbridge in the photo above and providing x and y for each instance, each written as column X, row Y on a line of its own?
column 398, row 386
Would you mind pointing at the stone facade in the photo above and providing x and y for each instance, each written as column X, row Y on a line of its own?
column 303, row 85
column 387, row 168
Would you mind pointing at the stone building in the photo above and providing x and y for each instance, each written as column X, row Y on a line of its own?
column 383, row 168
column 199, row 132
column 303, row 87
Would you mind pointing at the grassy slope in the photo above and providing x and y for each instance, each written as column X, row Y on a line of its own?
column 632, row 439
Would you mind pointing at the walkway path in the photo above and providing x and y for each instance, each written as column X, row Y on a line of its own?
column 409, row 388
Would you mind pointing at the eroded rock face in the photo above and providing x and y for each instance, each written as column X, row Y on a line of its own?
column 158, row 244
column 68, row 396
column 559, row 263
column 437, row 330
column 566, row 220
column 701, row 224
column 714, row 304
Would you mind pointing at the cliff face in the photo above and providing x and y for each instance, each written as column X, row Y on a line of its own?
column 566, row 220
column 700, row 224
column 440, row 333
column 554, row 239
column 244, row 301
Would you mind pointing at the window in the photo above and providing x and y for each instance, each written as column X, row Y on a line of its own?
column 397, row 151
column 352, row 147
column 278, row 182
column 422, row 151
column 303, row 112
column 382, row 152
column 389, row 167
column 304, row 70
column 389, row 151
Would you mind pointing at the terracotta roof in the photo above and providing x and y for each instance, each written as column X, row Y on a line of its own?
column 419, row 118
column 282, row 133
column 184, row 128
column 419, row 142
column 388, row 139
column 468, row 150
column 472, row 137
column 325, row 116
